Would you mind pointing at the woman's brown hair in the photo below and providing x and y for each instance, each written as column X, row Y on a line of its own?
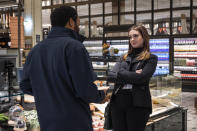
column 145, row 54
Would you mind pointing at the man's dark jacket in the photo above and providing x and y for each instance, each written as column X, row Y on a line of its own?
column 59, row 74
column 124, row 72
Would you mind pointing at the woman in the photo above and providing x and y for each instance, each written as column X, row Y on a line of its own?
column 131, row 104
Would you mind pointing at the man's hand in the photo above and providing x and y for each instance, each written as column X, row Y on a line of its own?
column 107, row 97
column 105, row 91
column 139, row 71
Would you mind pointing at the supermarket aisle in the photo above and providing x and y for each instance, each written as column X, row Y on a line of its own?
column 189, row 100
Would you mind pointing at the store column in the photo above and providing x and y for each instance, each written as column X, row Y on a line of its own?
column 122, row 9
column 123, row 19
column 115, row 17
column 114, row 10
column 33, row 22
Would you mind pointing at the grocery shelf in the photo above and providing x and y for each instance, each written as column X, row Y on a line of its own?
column 14, row 94
column 100, row 69
column 104, row 59
column 185, row 60
column 159, row 50
column 190, row 51
column 185, row 66
column 4, row 3
column 185, row 56
column 101, row 78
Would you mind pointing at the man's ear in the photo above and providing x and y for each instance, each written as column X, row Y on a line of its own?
column 70, row 22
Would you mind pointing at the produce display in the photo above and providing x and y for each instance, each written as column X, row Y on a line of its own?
column 21, row 119
column 32, row 118
column 3, row 118
column 106, row 48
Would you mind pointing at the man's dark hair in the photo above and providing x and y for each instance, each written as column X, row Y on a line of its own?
column 60, row 16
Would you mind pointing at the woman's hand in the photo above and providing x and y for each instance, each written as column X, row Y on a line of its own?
column 139, row 71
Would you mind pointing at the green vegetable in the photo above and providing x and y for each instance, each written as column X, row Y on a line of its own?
column 3, row 118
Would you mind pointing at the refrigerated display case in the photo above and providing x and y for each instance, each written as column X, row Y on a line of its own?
column 9, row 88
column 121, row 45
column 94, row 47
column 165, row 92
column 160, row 47
column 167, row 112
column 185, row 61
column 104, row 58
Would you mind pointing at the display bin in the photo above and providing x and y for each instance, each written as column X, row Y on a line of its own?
column 174, row 119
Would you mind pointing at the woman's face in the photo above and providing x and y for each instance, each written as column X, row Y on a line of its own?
column 136, row 39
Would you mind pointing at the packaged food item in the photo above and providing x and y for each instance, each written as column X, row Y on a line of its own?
column 96, row 129
column 116, row 51
column 112, row 51
column 101, row 125
column 106, row 46
column 105, row 51
column 15, row 112
column 20, row 124
column 95, row 118
column 98, row 123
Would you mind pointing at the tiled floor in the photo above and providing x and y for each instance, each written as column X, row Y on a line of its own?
column 188, row 101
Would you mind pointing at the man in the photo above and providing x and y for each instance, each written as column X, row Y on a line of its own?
column 59, row 74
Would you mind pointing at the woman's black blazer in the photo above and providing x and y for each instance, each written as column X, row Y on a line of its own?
column 124, row 72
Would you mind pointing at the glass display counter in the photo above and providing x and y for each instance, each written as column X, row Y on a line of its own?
column 166, row 92
column 166, row 101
